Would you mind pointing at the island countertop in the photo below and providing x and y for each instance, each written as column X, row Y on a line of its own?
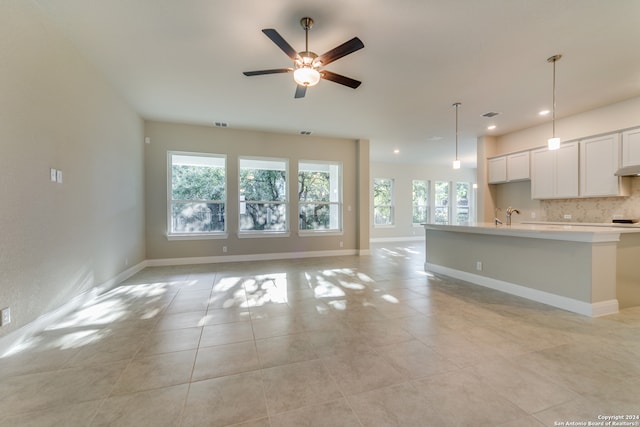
column 576, row 232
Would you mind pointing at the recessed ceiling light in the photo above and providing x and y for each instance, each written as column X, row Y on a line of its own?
column 396, row 151
column 492, row 127
column 221, row 124
column 544, row 112
column 305, row 132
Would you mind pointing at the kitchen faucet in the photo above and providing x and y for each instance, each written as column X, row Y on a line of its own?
column 510, row 211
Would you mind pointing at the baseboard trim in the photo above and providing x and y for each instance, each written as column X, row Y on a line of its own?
column 601, row 308
column 162, row 262
column 16, row 340
column 397, row 239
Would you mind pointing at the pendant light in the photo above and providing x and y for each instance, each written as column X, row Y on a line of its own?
column 456, row 162
column 553, row 143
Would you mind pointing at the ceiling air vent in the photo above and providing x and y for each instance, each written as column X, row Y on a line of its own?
column 221, row 124
column 305, row 132
column 490, row 114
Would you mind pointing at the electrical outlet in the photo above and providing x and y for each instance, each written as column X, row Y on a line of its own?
column 341, row 244
column 479, row 265
column 567, row 216
column 5, row 316
column 617, row 216
column 224, row 249
column 533, row 215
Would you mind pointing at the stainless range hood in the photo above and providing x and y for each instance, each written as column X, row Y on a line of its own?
column 628, row 171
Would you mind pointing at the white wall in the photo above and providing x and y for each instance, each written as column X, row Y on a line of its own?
column 57, row 111
column 233, row 143
column 403, row 175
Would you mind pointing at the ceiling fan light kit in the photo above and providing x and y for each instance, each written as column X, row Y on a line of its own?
column 307, row 65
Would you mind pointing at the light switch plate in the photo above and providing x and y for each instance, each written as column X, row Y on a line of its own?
column 53, row 175
column 59, row 176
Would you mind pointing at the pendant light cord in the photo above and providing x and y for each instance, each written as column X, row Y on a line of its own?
column 457, row 104
column 554, row 59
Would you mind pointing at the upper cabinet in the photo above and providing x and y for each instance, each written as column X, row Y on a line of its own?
column 513, row 167
column 554, row 174
column 599, row 160
column 518, row 166
column 631, row 147
column 497, row 170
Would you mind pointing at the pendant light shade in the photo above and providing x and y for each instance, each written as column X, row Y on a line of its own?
column 553, row 143
column 456, row 162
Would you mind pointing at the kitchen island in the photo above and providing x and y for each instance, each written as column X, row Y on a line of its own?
column 585, row 269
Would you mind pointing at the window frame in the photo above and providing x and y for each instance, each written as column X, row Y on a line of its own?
column 427, row 202
column 339, row 203
column 242, row 234
column 391, row 206
column 181, row 235
column 436, row 206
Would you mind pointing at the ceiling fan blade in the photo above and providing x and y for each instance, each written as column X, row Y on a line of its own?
column 337, row 78
column 281, row 42
column 300, row 91
column 343, row 50
column 261, row 72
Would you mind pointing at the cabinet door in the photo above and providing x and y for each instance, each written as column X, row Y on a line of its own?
column 518, row 166
column 631, row 147
column 567, row 162
column 497, row 170
column 598, row 163
column 543, row 165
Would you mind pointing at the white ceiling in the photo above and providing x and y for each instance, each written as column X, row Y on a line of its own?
column 182, row 61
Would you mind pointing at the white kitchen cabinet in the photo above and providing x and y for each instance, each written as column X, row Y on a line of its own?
column 631, row 147
column 518, row 166
column 554, row 173
column 497, row 170
column 512, row 167
column 599, row 160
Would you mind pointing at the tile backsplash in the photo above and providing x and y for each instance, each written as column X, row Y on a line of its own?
column 594, row 209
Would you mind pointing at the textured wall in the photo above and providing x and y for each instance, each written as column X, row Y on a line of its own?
column 61, row 239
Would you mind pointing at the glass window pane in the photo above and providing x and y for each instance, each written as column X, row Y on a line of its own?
column 315, row 217
column 442, row 202
column 382, row 201
column 420, row 195
column 319, row 188
column 263, row 217
column 197, row 193
column 197, row 217
column 383, row 215
column 462, row 202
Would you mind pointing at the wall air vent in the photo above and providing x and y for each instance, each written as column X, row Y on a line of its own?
column 490, row 114
column 221, row 124
column 305, row 132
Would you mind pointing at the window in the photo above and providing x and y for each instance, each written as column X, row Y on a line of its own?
column 263, row 195
column 320, row 196
column 197, row 194
column 463, row 213
column 420, row 196
column 382, row 201
column 442, row 202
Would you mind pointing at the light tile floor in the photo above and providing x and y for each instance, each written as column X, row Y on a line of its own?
column 341, row 341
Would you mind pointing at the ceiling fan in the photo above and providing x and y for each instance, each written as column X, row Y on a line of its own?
column 307, row 66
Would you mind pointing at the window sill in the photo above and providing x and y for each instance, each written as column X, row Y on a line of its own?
column 197, row 236
column 317, row 233
column 385, row 226
column 262, row 234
